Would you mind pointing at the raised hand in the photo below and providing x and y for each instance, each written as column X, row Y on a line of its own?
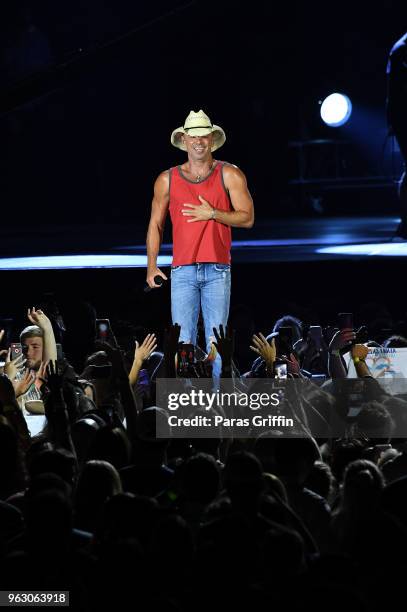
column 359, row 354
column 12, row 368
column 115, row 357
column 211, row 356
column 143, row 351
column 343, row 338
column 171, row 338
column 54, row 377
column 171, row 343
column 203, row 369
column 293, row 367
column 198, row 212
column 264, row 348
column 225, row 344
column 22, row 386
column 41, row 374
column 38, row 317
column 359, row 351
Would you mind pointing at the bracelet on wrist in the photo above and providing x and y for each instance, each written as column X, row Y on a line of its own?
column 213, row 214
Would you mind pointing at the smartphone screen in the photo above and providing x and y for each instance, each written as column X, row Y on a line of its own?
column 104, row 332
column 185, row 358
column 102, row 329
column 280, row 370
column 16, row 350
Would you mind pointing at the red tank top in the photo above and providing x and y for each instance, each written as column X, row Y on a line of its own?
column 200, row 241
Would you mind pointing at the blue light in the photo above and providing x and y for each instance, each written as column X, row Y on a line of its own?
column 336, row 110
column 65, row 262
column 384, row 249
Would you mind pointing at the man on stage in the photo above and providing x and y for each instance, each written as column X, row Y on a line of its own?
column 397, row 116
column 205, row 197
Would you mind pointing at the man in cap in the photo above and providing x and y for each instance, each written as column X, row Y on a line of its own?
column 205, row 198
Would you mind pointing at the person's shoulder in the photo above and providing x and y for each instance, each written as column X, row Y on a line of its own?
column 229, row 167
column 162, row 182
column 164, row 176
column 231, row 172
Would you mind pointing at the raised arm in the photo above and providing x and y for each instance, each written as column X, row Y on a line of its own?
column 38, row 317
column 242, row 214
column 159, row 209
column 341, row 339
column 359, row 353
column 141, row 354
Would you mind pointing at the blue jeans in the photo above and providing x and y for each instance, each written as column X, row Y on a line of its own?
column 205, row 285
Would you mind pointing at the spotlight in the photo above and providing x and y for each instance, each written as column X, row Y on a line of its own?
column 336, row 110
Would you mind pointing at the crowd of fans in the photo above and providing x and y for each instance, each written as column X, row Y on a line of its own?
column 98, row 505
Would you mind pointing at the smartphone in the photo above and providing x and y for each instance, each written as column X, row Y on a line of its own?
column 102, row 329
column 280, row 370
column 345, row 320
column 185, row 358
column 284, row 341
column 16, row 350
column 104, row 332
column 143, row 377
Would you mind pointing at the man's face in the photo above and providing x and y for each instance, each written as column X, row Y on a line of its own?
column 32, row 349
column 198, row 147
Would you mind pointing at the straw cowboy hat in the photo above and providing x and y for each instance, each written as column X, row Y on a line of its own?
column 198, row 124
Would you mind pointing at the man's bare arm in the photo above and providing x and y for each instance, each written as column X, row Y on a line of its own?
column 38, row 317
column 242, row 214
column 159, row 209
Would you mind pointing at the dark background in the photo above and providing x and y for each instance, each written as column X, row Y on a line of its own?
column 84, row 138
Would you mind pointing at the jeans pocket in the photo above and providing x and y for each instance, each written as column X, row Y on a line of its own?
column 221, row 267
column 175, row 268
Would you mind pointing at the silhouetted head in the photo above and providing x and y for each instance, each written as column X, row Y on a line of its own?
column 200, row 479
column 243, row 478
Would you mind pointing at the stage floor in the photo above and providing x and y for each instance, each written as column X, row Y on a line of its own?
column 271, row 240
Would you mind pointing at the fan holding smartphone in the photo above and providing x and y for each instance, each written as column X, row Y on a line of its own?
column 37, row 345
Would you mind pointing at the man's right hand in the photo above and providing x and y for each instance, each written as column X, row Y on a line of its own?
column 150, row 277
